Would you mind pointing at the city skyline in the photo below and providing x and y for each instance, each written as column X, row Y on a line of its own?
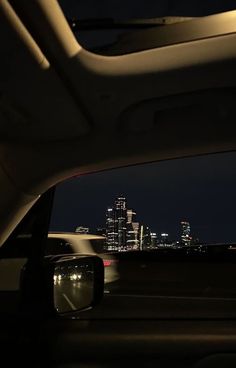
column 161, row 234
column 124, row 232
column 199, row 189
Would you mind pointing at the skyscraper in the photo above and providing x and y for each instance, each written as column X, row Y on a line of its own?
column 132, row 231
column 145, row 237
column 185, row 233
column 164, row 239
column 116, row 219
column 153, row 241
column 121, row 221
column 111, row 230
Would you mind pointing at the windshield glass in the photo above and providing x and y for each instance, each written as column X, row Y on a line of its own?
column 166, row 234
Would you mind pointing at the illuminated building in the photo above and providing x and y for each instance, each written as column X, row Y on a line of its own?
column 130, row 216
column 111, row 230
column 116, row 221
column 153, row 240
column 132, row 231
column 145, row 238
column 121, row 221
column 164, row 239
column 82, row 230
column 185, row 233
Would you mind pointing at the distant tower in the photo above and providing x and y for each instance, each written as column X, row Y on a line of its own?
column 111, row 230
column 132, row 231
column 153, row 241
column 116, row 220
column 130, row 216
column 145, row 237
column 164, row 239
column 121, row 221
column 185, row 233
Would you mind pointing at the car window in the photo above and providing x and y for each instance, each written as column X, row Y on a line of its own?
column 168, row 234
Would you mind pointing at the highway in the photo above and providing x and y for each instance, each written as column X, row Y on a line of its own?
column 126, row 304
column 169, row 289
column 70, row 296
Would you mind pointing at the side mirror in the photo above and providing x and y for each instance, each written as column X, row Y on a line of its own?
column 77, row 283
column 62, row 285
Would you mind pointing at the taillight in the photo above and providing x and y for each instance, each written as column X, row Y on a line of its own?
column 107, row 262
column 110, row 262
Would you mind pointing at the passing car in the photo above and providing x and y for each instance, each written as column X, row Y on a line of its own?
column 16, row 252
column 90, row 244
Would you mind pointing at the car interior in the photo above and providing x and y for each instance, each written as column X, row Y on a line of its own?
column 157, row 94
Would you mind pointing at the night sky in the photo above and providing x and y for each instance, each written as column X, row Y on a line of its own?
column 139, row 8
column 201, row 190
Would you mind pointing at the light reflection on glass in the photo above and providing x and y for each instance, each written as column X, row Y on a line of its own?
column 73, row 285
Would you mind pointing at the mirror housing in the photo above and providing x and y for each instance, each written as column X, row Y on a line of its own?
column 62, row 285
